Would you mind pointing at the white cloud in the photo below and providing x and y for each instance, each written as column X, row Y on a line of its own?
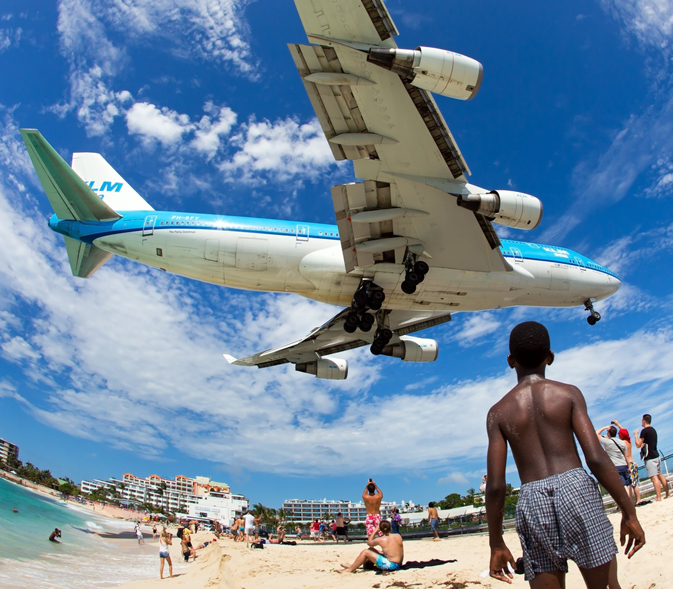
column 281, row 150
column 212, row 127
column 10, row 38
column 650, row 21
column 212, row 30
column 151, row 123
column 474, row 327
column 454, row 478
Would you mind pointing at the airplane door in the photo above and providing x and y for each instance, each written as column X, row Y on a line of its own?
column 302, row 233
column 517, row 255
column 148, row 225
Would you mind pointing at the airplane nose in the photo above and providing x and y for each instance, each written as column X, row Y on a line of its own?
column 614, row 284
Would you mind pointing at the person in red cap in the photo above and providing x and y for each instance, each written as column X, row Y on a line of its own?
column 623, row 434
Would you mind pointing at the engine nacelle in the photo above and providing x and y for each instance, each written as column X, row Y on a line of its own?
column 505, row 207
column 327, row 368
column 413, row 349
column 436, row 70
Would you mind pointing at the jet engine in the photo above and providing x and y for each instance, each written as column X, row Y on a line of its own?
column 413, row 349
column 505, row 207
column 436, row 70
column 327, row 368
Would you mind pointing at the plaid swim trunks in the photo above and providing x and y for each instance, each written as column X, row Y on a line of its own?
column 562, row 517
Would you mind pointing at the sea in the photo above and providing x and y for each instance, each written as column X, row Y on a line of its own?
column 82, row 559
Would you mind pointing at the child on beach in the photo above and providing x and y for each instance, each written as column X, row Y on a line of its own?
column 560, row 513
column 165, row 540
column 392, row 550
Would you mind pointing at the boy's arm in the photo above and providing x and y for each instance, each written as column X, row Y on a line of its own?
column 495, row 500
column 601, row 466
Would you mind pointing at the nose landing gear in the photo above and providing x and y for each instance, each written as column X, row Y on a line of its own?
column 368, row 296
column 595, row 316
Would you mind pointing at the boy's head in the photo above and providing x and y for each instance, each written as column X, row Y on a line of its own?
column 647, row 420
column 529, row 345
column 371, row 488
column 431, row 504
column 612, row 431
column 385, row 527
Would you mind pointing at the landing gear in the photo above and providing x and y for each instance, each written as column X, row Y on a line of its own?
column 415, row 274
column 383, row 336
column 368, row 296
column 595, row 316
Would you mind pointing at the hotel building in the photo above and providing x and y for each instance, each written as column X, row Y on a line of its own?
column 306, row 510
column 8, row 449
column 197, row 498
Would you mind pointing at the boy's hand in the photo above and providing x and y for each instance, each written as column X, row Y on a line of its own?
column 636, row 537
column 500, row 558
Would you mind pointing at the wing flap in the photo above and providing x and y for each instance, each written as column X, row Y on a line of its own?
column 366, row 21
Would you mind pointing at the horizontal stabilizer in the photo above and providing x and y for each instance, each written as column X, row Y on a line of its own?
column 70, row 197
column 84, row 259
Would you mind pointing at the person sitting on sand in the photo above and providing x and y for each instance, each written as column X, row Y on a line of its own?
column 372, row 497
column 55, row 534
column 165, row 540
column 392, row 548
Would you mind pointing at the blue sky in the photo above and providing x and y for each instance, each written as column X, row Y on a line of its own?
column 199, row 107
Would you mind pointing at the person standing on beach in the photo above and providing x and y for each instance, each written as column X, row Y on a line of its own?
column 391, row 556
column 623, row 434
column 433, row 516
column 154, row 531
column 165, row 540
column 372, row 497
column 250, row 523
column 340, row 527
column 560, row 512
column 139, row 534
column 616, row 450
column 647, row 442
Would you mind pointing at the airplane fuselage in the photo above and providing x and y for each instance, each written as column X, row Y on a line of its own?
column 306, row 259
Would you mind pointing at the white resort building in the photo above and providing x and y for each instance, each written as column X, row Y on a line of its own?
column 197, row 498
column 306, row 510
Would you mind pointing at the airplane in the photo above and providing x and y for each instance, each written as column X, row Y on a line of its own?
column 413, row 241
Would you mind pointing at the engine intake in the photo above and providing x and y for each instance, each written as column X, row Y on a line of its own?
column 413, row 349
column 436, row 70
column 327, row 368
column 505, row 207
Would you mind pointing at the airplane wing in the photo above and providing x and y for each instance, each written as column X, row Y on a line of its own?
column 398, row 141
column 331, row 338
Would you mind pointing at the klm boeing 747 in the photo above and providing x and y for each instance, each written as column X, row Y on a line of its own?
column 413, row 241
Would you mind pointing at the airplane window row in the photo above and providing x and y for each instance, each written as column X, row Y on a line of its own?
column 281, row 230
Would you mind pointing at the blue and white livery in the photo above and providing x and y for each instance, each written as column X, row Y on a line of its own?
column 413, row 240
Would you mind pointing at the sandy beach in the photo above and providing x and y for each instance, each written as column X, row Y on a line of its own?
column 233, row 566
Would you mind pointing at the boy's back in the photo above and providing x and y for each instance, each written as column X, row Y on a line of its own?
column 536, row 419
column 560, row 512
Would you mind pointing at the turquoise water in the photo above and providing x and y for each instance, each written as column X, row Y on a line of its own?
column 82, row 559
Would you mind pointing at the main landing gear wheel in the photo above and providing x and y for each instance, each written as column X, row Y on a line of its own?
column 383, row 336
column 368, row 296
column 415, row 274
column 595, row 316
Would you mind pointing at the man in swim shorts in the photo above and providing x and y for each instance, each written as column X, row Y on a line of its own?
column 433, row 516
column 391, row 556
column 560, row 513
column 372, row 497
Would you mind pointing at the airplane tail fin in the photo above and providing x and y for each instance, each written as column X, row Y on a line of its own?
column 105, row 181
column 68, row 195
column 84, row 259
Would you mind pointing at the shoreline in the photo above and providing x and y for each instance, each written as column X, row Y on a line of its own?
column 106, row 511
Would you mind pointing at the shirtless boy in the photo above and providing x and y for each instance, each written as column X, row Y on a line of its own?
column 372, row 497
column 560, row 514
column 392, row 549
column 433, row 516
